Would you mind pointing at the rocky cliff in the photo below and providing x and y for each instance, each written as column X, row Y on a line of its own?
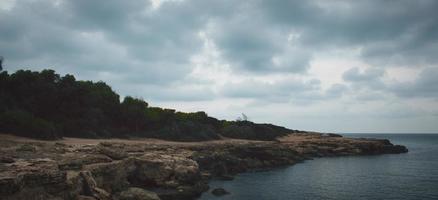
column 154, row 170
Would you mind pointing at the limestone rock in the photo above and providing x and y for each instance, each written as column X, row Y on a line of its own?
column 165, row 170
column 112, row 176
column 26, row 147
column 6, row 159
column 113, row 153
column 89, row 187
column 134, row 193
column 120, row 171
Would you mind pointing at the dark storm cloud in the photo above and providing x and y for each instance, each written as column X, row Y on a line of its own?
column 251, row 44
column 387, row 31
column 112, row 36
column 136, row 44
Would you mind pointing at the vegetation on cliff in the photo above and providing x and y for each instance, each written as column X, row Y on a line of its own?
column 46, row 105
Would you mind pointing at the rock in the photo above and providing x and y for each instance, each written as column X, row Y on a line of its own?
column 82, row 197
column 76, row 162
column 113, row 176
column 26, row 183
column 226, row 177
column 41, row 178
column 164, row 170
column 95, row 158
column 333, row 135
column 6, row 159
column 395, row 149
column 340, row 150
column 183, row 192
column 113, row 153
column 206, row 175
column 106, row 171
column 219, row 192
column 89, row 187
column 27, row 147
column 88, row 183
column 134, row 193
column 218, row 162
column 8, row 186
column 70, row 164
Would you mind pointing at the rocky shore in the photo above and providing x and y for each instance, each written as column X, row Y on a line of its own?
column 128, row 170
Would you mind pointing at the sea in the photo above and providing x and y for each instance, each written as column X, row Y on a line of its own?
column 412, row 175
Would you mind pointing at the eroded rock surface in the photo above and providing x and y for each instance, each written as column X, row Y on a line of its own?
column 219, row 192
column 155, row 170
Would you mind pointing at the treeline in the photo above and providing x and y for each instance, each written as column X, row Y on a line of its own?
column 47, row 106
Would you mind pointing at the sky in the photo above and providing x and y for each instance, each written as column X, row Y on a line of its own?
column 331, row 66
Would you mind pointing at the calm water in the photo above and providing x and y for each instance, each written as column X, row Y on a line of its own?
column 404, row 176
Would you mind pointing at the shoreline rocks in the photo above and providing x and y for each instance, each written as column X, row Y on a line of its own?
column 122, row 171
column 219, row 192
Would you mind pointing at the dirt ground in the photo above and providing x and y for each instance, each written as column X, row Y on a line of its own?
column 84, row 141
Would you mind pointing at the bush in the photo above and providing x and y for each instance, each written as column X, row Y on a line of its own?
column 253, row 131
column 24, row 124
column 46, row 105
column 187, row 131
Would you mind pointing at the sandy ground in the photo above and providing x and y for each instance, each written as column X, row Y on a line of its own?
column 84, row 141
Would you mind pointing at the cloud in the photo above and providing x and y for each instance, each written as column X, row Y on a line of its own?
column 388, row 32
column 425, row 86
column 336, row 90
column 251, row 45
column 255, row 36
column 239, row 54
column 371, row 81
column 280, row 90
column 368, row 78
column 94, row 36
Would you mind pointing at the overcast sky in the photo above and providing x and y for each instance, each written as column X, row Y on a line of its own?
column 332, row 66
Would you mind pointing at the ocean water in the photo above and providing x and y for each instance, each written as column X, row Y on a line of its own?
column 413, row 175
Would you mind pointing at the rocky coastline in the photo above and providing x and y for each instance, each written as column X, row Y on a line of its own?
column 120, row 170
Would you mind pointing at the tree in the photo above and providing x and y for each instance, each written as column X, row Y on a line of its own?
column 45, row 105
column 1, row 63
column 134, row 113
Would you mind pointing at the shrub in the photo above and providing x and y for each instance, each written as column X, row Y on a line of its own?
column 253, row 131
column 25, row 124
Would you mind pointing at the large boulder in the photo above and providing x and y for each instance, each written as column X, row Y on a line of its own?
column 178, row 177
column 33, row 179
column 112, row 176
column 165, row 170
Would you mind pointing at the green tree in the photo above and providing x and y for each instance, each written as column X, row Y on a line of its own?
column 134, row 113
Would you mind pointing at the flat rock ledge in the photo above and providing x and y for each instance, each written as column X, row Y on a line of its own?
column 152, row 171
